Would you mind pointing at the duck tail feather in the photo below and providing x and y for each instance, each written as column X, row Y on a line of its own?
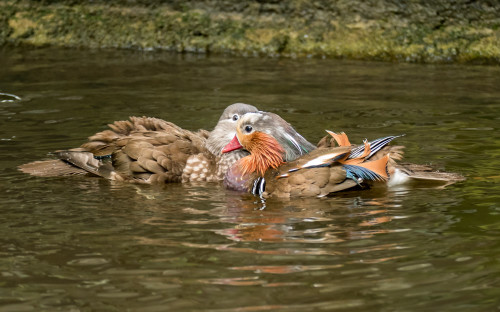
column 51, row 168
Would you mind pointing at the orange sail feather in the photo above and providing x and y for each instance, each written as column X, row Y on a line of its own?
column 341, row 138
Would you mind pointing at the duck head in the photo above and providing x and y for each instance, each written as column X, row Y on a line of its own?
column 270, row 141
column 225, row 129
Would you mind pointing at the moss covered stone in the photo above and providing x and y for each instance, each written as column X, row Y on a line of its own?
column 413, row 31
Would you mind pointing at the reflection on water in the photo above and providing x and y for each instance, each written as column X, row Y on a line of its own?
column 8, row 98
column 84, row 243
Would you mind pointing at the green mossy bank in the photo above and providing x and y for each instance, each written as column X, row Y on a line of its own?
column 389, row 30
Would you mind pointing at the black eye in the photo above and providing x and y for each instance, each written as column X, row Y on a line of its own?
column 248, row 129
column 235, row 117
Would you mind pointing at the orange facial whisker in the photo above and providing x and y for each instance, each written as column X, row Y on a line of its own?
column 265, row 153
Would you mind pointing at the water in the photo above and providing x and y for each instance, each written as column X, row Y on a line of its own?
column 86, row 244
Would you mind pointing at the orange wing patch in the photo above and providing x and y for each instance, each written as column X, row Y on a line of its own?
column 378, row 166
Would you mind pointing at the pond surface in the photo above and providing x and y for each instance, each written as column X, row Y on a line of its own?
column 87, row 244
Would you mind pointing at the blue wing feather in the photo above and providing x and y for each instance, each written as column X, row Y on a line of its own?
column 355, row 172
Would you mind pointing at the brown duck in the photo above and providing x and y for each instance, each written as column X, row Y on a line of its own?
column 150, row 150
column 321, row 172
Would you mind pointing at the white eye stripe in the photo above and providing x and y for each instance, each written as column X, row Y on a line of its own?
column 252, row 117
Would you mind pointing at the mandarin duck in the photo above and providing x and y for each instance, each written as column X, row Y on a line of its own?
column 150, row 150
column 323, row 171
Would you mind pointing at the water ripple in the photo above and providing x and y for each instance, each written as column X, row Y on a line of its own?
column 8, row 98
column 81, row 243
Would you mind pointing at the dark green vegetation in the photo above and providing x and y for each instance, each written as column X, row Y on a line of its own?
column 391, row 30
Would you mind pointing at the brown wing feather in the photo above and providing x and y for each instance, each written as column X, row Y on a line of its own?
column 142, row 148
column 51, row 168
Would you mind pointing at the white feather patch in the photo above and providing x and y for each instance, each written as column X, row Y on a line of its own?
column 320, row 160
column 398, row 178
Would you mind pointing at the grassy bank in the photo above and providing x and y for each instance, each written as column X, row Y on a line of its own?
column 298, row 30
